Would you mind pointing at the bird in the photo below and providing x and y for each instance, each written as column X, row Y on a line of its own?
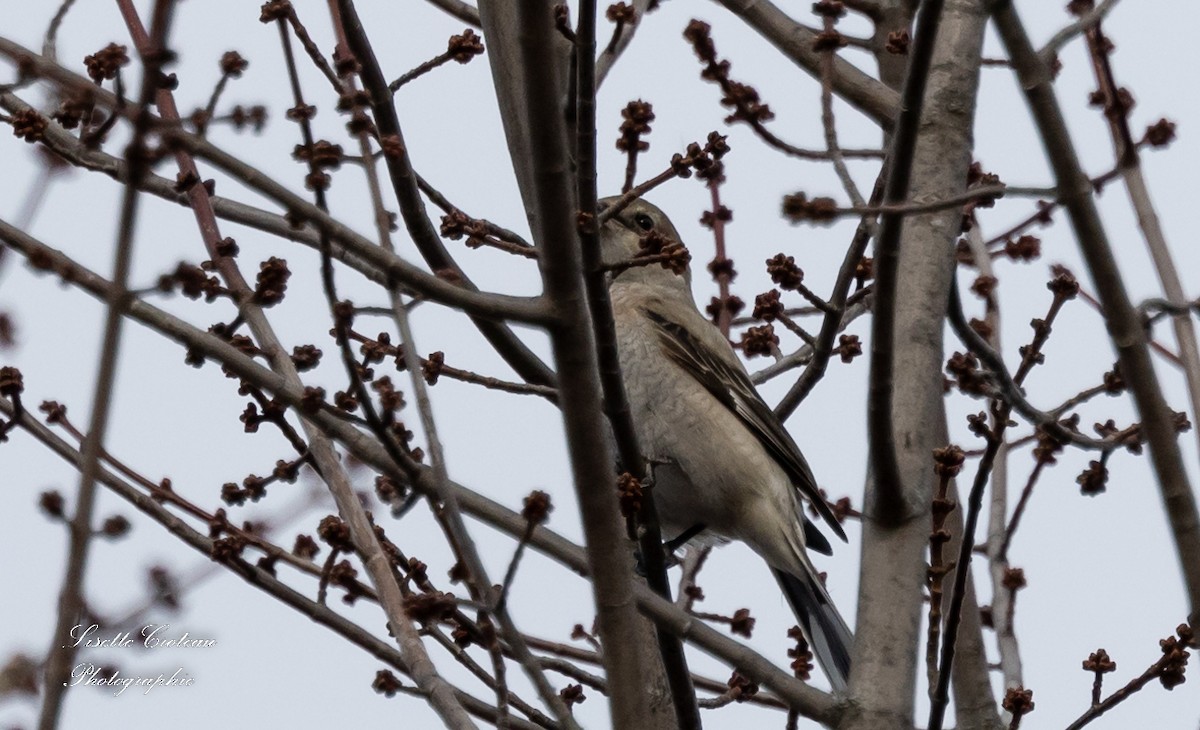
column 723, row 466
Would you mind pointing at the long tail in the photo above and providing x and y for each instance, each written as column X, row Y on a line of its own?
column 824, row 628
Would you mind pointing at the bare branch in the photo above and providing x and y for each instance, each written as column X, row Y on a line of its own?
column 464, row 11
column 70, row 602
column 861, row 91
column 462, row 296
column 616, row 402
column 892, row 507
column 1128, row 336
column 532, row 88
column 1082, row 25
column 260, row 578
column 612, row 53
column 1129, row 163
column 921, row 267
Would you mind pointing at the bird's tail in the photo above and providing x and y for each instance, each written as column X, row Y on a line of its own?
column 824, row 628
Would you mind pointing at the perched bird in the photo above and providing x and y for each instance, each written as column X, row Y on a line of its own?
column 723, row 465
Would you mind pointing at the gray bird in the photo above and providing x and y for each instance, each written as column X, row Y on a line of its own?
column 724, row 467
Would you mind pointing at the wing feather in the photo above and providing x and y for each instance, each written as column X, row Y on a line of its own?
column 732, row 387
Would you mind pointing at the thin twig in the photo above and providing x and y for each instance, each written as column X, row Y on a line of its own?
column 1019, row 510
column 940, row 693
column 310, row 47
column 1099, row 708
column 830, row 125
column 1154, row 344
column 420, row 70
column 1066, row 35
column 634, row 193
column 1124, row 324
column 50, row 40
column 210, row 108
column 440, row 200
column 622, row 37
column 1010, row 390
column 1129, row 163
column 1006, row 639
column 258, row 577
column 981, row 192
column 807, row 355
column 1078, row 399
column 400, row 171
column 812, row 702
column 504, row 386
column 722, row 266
column 71, row 598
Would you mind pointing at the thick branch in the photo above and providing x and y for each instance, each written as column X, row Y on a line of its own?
column 890, row 494
column 795, row 41
column 919, row 261
column 616, row 402
column 532, row 87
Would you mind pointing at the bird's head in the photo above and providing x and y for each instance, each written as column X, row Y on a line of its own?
column 642, row 232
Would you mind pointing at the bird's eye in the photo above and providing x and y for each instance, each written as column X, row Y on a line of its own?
column 643, row 221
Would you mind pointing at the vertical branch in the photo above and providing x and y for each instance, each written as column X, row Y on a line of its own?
column 947, row 463
column 609, row 56
column 1129, row 162
column 1064, row 288
column 1006, row 638
column 616, row 403
column 1124, row 323
column 71, row 600
column 975, row 705
column 921, row 266
column 50, row 42
column 828, row 124
column 890, row 499
column 528, row 78
column 447, row 506
column 721, row 266
column 940, row 692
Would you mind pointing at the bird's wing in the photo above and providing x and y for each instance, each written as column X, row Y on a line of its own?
column 732, row 387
